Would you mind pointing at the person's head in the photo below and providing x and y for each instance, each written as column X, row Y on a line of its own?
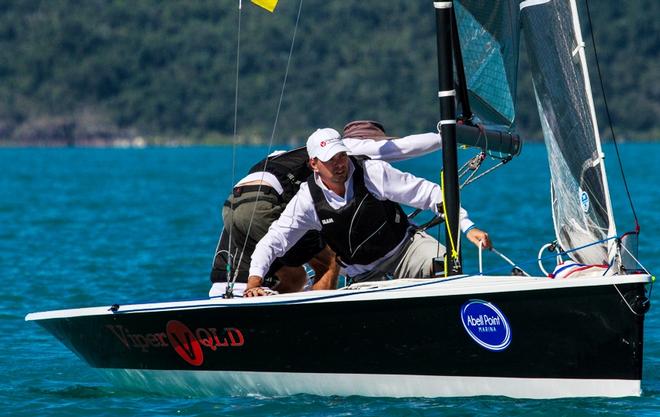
column 327, row 155
column 365, row 129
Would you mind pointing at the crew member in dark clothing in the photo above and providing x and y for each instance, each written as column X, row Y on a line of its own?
column 352, row 202
column 258, row 200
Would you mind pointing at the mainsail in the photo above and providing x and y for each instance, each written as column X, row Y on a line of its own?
column 489, row 36
column 581, row 205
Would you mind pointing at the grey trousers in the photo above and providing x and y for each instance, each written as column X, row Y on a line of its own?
column 413, row 260
column 417, row 260
column 247, row 218
column 248, row 222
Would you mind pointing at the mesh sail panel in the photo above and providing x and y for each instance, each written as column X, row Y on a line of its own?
column 489, row 35
column 580, row 200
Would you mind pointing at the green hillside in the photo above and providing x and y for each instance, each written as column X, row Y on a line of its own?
column 74, row 72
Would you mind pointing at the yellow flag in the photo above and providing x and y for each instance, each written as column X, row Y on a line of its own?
column 266, row 4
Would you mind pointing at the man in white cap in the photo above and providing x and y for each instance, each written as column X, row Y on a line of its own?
column 258, row 199
column 353, row 203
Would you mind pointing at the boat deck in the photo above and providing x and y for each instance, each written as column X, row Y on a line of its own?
column 379, row 290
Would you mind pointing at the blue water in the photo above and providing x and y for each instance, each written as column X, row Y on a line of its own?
column 85, row 227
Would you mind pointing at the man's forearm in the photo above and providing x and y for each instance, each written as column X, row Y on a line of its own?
column 254, row 281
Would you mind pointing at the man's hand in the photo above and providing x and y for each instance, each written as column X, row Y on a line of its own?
column 479, row 237
column 258, row 292
column 253, row 287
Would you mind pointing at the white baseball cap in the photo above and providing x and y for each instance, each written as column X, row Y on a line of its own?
column 324, row 144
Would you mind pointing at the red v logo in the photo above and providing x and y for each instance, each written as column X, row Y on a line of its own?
column 184, row 342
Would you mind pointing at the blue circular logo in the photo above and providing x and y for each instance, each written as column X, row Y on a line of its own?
column 486, row 324
column 584, row 201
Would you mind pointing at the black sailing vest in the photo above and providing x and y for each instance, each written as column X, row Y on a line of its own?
column 290, row 168
column 365, row 229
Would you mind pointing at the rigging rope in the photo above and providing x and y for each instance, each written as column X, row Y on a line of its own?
column 544, row 258
column 272, row 136
column 471, row 165
column 476, row 162
column 488, row 171
column 609, row 117
column 230, row 284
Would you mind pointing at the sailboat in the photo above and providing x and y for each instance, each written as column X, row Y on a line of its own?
column 455, row 335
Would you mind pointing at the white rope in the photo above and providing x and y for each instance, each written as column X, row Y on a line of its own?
column 509, row 261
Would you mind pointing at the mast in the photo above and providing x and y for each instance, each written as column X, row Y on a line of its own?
column 447, row 94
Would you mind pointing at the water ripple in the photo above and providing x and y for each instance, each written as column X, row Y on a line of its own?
column 85, row 227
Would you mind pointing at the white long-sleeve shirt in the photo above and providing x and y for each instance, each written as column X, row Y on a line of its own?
column 392, row 150
column 381, row 179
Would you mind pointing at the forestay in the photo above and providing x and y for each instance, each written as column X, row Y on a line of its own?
column 580, row 197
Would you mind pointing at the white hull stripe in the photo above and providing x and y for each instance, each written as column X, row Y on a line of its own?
column 448, row 122
column 529, row 3
column 212, row 383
